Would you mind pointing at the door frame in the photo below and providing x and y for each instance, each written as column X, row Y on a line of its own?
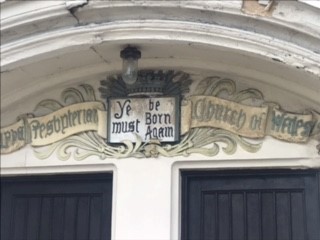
column 34, row 172
column 221, row 166
column 224, row 174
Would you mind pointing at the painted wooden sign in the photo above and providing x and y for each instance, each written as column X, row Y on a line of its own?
column 151, row 123
column 149, row 118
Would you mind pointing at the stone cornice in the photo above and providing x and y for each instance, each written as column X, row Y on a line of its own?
column 37, row 17
column 275, row 50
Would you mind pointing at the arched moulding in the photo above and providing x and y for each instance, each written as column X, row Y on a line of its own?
column 205, row 141
column 279, row 52
column 54, row 43
column 165, row 44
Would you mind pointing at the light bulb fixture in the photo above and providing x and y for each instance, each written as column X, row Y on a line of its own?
column 130, row 56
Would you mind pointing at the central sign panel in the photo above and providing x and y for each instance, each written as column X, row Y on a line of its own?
column 149, row 118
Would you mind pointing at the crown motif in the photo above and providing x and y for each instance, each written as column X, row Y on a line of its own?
column 149, row 83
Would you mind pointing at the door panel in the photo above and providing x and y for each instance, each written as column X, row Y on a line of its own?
column 56, row 207
column 251, row 205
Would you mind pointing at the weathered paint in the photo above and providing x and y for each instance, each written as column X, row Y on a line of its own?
column 45, row 49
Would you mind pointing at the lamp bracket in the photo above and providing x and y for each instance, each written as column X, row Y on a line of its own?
column 130, row 52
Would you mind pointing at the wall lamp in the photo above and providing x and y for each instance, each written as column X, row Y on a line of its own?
column 130, row 56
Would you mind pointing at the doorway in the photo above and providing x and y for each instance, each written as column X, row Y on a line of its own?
column 257, row 205
column 56, row 207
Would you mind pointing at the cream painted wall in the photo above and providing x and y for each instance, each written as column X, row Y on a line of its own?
column 46, row 48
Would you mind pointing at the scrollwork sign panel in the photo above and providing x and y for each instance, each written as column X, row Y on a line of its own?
column 215, row 113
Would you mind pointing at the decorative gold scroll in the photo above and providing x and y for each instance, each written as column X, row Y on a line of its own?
column 315, row 133
column 13, row 137
column 45, row 130
column 247, row 121
column 290, row 127
column 197, row 112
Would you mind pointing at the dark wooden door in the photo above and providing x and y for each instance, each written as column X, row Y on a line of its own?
column 275, row 205
column 56, row 207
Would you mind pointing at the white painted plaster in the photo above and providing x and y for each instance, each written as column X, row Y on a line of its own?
column 314, row 3
column 21, row 19
column 146, row 191
column 70, row 4
column 45, row 50
column 221, row 59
